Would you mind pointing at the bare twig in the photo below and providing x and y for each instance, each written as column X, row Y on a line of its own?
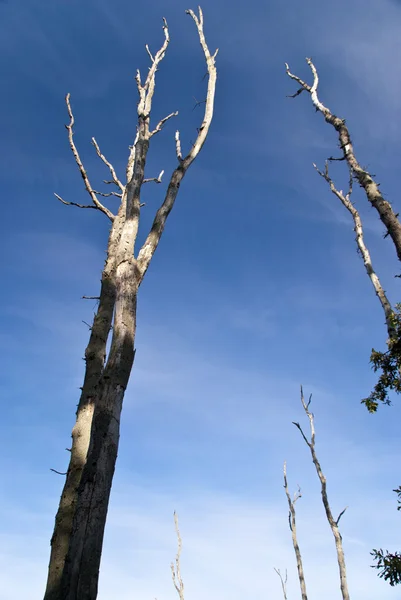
column 146, row 90
column 155, row 179
column 176, row 569
column 108, row 194
column 97, row 204
column 345, row 199
column 58, row 472
column 178, row 145
column 329, row 515
column 198, row 103
column 74, row 203
column 149, row 53
column 160, row 124
column 293, row 528
column 283, row 581
column 364, row 178
column 108, row 165
column 90, row 297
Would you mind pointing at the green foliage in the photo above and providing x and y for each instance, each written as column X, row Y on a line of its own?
column 388, row 564
column 389, row 363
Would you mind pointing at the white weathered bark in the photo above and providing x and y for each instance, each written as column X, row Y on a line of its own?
column 293, row 528
column 364, row 178
column 176, row 568
column 283, row 581
column 345, row 199
column 323, row 487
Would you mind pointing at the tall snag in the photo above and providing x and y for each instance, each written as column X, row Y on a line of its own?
column 388, row 362
column 364, row 178
column 77, row 540
column 323, row 488
column 293, row 528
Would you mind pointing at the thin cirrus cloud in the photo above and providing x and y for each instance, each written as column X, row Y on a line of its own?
column 256, row 288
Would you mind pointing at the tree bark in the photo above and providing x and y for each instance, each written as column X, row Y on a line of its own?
column 95, row 355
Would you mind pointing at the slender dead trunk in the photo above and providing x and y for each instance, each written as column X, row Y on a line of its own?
column 79, row 528
column 323, row 487
column 345, row 199
column 293, row 527
column 386, row 213
column 283, row 581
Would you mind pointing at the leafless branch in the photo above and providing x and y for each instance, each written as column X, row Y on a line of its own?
column 155, row 179
column 108, row 165
column 90, row 297
column 283, row 581
column 364, row 178
column 149, row 53
column 329, row 515
column 58, row 472
column 293, row 528
column 176, row 569
column 345, row 199
column 108, row 194
column 74, row 203
column 97, row 204
column 148, row 249
column 146, row 90
column 340, row 515
column 198, row 103
column 160, row 124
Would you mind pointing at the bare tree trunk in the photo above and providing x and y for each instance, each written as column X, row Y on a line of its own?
column 79, row 528
column 329, row 515
column 364, row 178
column 176, row 568
column 283, row 581
column 363, row 249
column 293, row 528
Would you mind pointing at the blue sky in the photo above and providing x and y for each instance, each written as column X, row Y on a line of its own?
column 255, row 288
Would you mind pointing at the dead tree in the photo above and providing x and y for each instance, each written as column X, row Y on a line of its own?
column 323, row 486
column 389, row 362
column 176, row 568
column 386, row 213
column 293, row 529
column 283, row 581
column 345, row 199
column 77, row 540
